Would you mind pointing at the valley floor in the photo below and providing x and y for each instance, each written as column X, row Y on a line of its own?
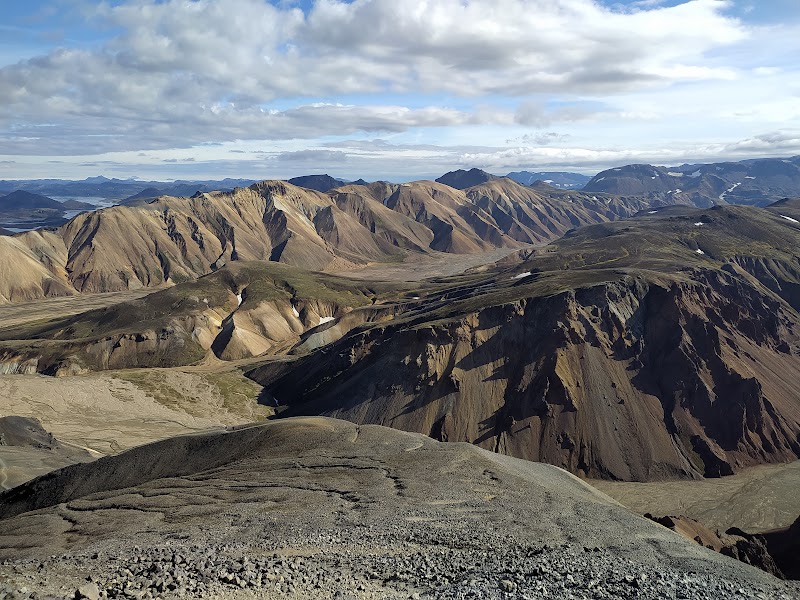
column 755, row 500
column 112, row 411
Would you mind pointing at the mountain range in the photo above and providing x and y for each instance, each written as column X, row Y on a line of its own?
column 177, row 239
column 573, row 353
column 630, row 340
column 750, row 182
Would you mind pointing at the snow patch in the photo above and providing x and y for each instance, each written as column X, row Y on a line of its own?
column 651, row 212
column 674, row 174
column 323, row 320
column 790, row 219
column 699, row 251
column 696, row 174
column 749, row 177
column 521, row 275
column 653, row 177
column 699, row 224
column 729, row 190
column 601, row 179
column 294, row 311
column 239, row 298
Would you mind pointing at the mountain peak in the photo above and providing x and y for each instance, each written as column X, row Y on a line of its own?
column 462, row 179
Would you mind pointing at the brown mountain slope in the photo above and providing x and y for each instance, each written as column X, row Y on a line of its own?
column 171, row 239
column 533, row 215
column 176, row 239
column 243, row 310
column 620, row 352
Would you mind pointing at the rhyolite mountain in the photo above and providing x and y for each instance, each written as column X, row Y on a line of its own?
column 664, row 346
column 171, row 239
column 757, row 182
column 242, row 310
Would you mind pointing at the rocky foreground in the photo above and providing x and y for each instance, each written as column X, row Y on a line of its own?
column 319, row 508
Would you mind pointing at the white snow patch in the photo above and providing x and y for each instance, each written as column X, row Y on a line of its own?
column 699, row 224
column 521, row 275
column 239, row 298
column 696, row 174
column 653, row 177
column 699, row 251
column 719, row 168
column 749, row 177
column 678, row 191
column 594, row 198
column 674, row 174
column 415, row 297
column 651, row 212
column 323, row 320
column 601, row 179
column 548, row 181
column 294, row 311
column 729, row 190
column 790, row 219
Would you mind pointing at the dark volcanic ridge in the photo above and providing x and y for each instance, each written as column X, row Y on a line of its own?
column 315, row 507
column 618, row 352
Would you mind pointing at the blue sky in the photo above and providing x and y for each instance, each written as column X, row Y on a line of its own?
column 391, row 89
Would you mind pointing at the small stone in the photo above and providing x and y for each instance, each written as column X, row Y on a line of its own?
column 90, row 591
column 507, row 585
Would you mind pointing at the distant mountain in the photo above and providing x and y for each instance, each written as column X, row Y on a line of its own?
column 321, row 183
column 118, row 189
column 26, row 210
column 22, row 200
column 462, row 179
column 557, row 179
column 751, row 182
column 142, row 197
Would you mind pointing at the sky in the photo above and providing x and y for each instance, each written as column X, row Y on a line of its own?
column 391, row 89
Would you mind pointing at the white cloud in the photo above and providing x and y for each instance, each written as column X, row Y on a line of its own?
column 191, row 70
column 442, row 83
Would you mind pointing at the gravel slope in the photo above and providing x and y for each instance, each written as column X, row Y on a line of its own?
column 314, row 507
